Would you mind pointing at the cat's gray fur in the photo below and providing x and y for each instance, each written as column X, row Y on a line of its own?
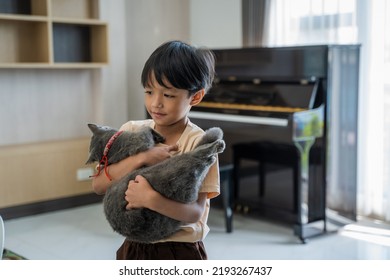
column 178, row 178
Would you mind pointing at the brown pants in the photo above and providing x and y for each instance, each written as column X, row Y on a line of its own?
column 161, row 251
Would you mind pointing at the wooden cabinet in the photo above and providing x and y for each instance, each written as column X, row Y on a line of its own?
column 52, row 34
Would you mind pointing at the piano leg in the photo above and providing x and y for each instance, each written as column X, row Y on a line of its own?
column 304, row 228
column 226, row 174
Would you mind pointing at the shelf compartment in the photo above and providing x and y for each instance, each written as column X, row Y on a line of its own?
column 24, row 7
column 81, row 9
column 23, row 42
column 79, row 43
column 52, row 34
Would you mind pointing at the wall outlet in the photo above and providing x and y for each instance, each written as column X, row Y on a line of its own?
column 84, row 174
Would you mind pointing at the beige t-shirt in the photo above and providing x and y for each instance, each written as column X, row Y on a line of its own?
column 187, row 141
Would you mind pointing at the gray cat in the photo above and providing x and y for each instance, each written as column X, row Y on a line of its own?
column 178, row 178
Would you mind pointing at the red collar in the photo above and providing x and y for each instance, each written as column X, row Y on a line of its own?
column 104, row 160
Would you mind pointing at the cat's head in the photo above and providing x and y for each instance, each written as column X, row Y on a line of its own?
column 101, row 130
column 100, row 136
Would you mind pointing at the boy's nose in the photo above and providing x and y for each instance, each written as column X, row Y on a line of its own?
column 157, row 102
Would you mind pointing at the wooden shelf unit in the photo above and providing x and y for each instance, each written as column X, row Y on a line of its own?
column 52, row 34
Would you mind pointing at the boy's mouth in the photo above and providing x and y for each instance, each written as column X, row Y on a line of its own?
column 158, row 114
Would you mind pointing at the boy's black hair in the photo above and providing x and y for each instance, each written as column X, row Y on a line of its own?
column 184, row 66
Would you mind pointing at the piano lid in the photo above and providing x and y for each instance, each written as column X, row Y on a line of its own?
column 276, row 64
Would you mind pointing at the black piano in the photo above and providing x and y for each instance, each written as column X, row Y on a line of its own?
column 288, row 95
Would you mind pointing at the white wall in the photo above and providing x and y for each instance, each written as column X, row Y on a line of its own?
column 149, row 24
column 216, row 23
column 43, row 105
column 111, row 98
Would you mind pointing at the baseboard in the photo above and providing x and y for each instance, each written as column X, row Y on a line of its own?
column 49, row 206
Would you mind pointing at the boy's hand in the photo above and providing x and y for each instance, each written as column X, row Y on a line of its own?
column 138, row 193
column 158, row 154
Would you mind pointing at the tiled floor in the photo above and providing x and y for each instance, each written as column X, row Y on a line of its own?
column 83, row 233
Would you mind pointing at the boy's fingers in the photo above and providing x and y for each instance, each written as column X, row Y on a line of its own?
column 173, row 148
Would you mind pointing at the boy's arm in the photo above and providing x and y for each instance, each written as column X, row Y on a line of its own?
column 117, row 170
column 140, row 194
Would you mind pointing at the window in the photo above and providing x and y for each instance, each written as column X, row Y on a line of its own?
column 310, row 22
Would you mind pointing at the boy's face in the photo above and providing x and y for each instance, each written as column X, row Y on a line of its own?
column 167, row 105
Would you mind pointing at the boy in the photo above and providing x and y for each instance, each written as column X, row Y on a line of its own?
column 175, row 77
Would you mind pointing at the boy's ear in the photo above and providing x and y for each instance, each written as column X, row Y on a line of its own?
column 197, row 97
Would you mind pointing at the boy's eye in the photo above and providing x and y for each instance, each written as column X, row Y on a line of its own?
column 168, row 95
column 148, row 92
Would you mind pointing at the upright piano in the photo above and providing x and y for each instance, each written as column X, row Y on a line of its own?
column 292, row 95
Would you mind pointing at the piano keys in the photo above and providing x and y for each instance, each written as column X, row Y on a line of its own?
column 260, row 103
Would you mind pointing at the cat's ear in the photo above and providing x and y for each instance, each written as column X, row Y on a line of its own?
column 90, row 159
column 93, row 127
